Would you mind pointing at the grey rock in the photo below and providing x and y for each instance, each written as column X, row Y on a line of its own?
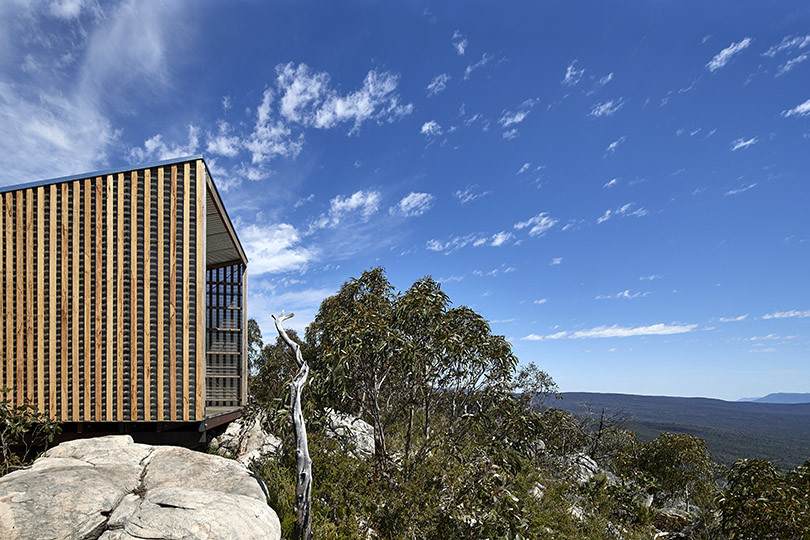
column 180, row 513
column 246, row 441
column 354, row 433
column 112, row 488
column 582, row 467
column 172, row 466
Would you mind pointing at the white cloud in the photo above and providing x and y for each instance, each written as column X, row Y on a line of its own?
column 500, row 238
column 606, row 79
column 742, row 143
column 740, row 190
column 365, row 202
column 438, row 84
column 651, row 277
column 539, row 224
column 625, row 294
column 455, row 243
column 510, row 134
column 556, row 260
column 722, row 58
column 271, row 137
column 274, row 248
column 415, row 204
column 226, row 103
column 524, row 168
column 509, row 117
column 611, row 149
column 624, row 210
column 790, row 64
column 155, row 148
column 485, row 59
column 459, row 42
column 611, row 183
column 223, row 143
column 788, row 43
column 660, row 329
column 469, row 194
column 793, row 313
column 608, row 108
column 733, row 319
column 304, row 200
column 541, row 301
column 572, row 74
column 802, row 109
column 431, row 129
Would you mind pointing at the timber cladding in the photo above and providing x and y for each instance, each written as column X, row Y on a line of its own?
column 103, row 295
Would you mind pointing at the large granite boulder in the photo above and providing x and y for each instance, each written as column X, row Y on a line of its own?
column 112, row 488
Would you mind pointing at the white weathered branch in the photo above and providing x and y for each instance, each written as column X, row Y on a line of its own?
column 303, row 463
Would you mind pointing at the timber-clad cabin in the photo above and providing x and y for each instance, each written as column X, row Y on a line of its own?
column 122, row 297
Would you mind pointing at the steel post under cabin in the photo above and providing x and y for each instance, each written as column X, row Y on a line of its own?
column 122, row 297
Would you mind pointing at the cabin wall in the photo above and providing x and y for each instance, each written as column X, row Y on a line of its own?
column 101, row 296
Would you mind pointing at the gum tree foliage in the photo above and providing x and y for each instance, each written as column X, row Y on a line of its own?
column 411, row 360
column 761, row 503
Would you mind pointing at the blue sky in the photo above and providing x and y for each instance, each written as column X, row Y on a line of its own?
column 621, row 188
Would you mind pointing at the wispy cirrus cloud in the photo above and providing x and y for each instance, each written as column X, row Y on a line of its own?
column 438, row 84
column 723, row 57
column 459, row 42
column 788, row 43
column 475, row 240
column 617, row 331
column 790, row 64
column 572, row 74
column 802, row 109
column 733, row 319
column 625, row 294
column 740, row 189
column 485, row 59
column 612, row 147
column 537, row 225
column 790, row 314
column 414, row 204
column 740, row 143
column 626, row 210
column 607, row 108
column 469, row 194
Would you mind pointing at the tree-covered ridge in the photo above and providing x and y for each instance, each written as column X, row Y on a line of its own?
column 461, row 452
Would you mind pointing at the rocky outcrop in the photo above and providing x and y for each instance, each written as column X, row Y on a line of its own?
column 246, row 441
column 356, row 435
column 113, row 489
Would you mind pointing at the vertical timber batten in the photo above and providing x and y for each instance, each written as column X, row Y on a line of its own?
column 147, row 307
column 133, row 294
column 19, row 278
column 74, row 302
column 9, row 275
column 199, row 331
column 186, row 304
column 40, row 311
column 110, row 307
column 173, row 297
column 52, row 337
column 98, row 300
column 161, row 252
column 29, row 297
column 87, row 381
column 119, row 303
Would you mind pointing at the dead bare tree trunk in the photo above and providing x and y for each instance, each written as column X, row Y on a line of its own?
column 303, row 463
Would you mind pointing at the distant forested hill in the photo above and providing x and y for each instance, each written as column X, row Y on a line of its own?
column 781, row 397
column 732, row 430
